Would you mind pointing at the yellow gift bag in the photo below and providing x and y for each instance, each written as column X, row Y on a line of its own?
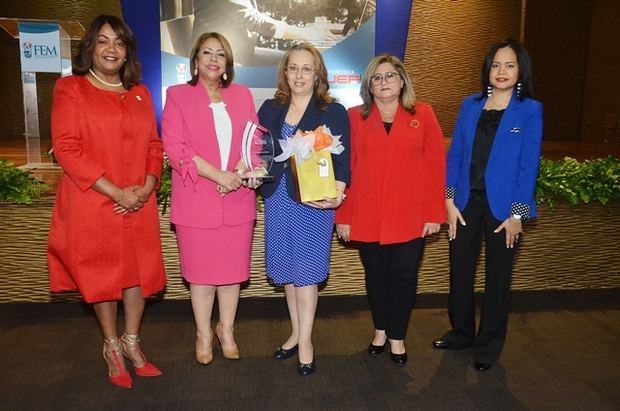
column 314, row 177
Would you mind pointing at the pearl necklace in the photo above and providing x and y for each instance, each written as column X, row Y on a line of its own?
column 102, row 81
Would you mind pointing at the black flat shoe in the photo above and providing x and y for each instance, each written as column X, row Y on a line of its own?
column 481, row 366
column 376, row 349
column 283, row 353
column 399, row 359
column 306, row 369
column 440, row 344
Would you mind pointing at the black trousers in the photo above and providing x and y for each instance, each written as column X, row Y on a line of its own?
column 391, row 283
column 487, row 344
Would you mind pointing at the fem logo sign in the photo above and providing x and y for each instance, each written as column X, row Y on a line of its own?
column 40, row 47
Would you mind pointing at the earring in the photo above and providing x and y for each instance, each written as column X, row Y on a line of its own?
column 195, row 71
column 224, row 76
column 519, row 89
column 489, row 90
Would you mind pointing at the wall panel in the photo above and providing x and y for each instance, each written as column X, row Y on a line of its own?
column 446, row 44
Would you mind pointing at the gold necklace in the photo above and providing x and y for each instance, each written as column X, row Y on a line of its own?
column 102, row 81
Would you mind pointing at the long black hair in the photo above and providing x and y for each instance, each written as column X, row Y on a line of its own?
column 525, row 67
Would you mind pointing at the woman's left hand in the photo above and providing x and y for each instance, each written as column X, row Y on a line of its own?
column 251, row 182
column 143, row 192
column 430, row 229
column 327, row 203
column 513, row 228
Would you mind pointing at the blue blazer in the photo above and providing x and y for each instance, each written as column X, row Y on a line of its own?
column 271, row 116
column 513, row 164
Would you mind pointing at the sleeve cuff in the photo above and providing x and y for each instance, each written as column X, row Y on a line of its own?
column 524, row 210
column 450, row 192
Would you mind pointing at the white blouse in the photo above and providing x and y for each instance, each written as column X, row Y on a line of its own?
column 223, row 130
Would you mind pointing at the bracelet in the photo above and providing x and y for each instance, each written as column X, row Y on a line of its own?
column 239, row 172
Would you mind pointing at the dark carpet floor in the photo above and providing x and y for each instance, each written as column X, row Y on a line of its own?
column 562, row 353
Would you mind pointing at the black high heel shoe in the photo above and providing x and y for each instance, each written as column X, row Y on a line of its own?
column 283, row 353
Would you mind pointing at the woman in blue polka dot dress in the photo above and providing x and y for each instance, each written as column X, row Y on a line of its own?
column 298, row 236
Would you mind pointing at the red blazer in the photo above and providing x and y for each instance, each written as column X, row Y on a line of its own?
column 397, row 179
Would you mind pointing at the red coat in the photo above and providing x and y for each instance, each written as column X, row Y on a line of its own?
column 101, row 133
column 397, row 179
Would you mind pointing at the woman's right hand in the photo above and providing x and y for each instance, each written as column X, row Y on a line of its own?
column 343, row 231
column 128, row 201
column 227, row 181
column 453, row 215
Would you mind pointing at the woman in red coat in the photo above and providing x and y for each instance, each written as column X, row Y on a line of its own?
column 396, row 196
column 104, row 236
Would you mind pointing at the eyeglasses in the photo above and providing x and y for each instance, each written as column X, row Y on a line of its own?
column 389, row 77
column 305, row 70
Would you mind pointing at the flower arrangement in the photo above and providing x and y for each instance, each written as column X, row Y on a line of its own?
column 310, row 153
column 303, row 143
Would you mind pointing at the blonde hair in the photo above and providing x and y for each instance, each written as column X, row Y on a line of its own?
column 321, row 85
column 407, row 95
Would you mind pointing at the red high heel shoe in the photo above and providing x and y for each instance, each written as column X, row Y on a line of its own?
column 131, row 349
column 113, row 356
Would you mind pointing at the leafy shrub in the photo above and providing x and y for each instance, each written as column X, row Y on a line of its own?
column 18, row 186
column 578, row 182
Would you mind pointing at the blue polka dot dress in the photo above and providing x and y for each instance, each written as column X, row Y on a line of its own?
column 297, row 237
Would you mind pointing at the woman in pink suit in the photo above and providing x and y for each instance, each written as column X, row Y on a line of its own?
column 213, row 212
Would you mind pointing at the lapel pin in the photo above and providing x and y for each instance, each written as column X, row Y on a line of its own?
column 515, row 130
column 138, row 98
column 414, row 124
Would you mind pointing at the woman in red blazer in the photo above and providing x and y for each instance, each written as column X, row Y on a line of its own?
column 104, row 236
column 396, row 196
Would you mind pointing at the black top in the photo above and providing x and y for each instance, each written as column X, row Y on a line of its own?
column 483, row 141
column 387, row 126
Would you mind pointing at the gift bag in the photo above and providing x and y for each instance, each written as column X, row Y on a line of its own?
column 314, row 177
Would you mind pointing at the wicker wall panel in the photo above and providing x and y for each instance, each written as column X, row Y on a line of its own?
column 564, row 249
column 601, row 106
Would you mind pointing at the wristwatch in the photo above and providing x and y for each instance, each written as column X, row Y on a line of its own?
column 516, row 216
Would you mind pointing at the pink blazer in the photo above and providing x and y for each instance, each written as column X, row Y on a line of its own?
column 188, row 129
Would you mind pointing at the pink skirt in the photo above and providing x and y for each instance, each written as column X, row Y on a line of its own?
column 215, row 256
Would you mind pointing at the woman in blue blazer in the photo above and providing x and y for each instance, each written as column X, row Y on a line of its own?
column 298, row 235
column 491, row 179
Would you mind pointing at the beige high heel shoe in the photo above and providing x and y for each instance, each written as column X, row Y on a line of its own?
column 206, row 357
column 229, row 352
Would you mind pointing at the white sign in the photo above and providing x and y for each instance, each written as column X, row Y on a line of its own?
column 39, row 47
